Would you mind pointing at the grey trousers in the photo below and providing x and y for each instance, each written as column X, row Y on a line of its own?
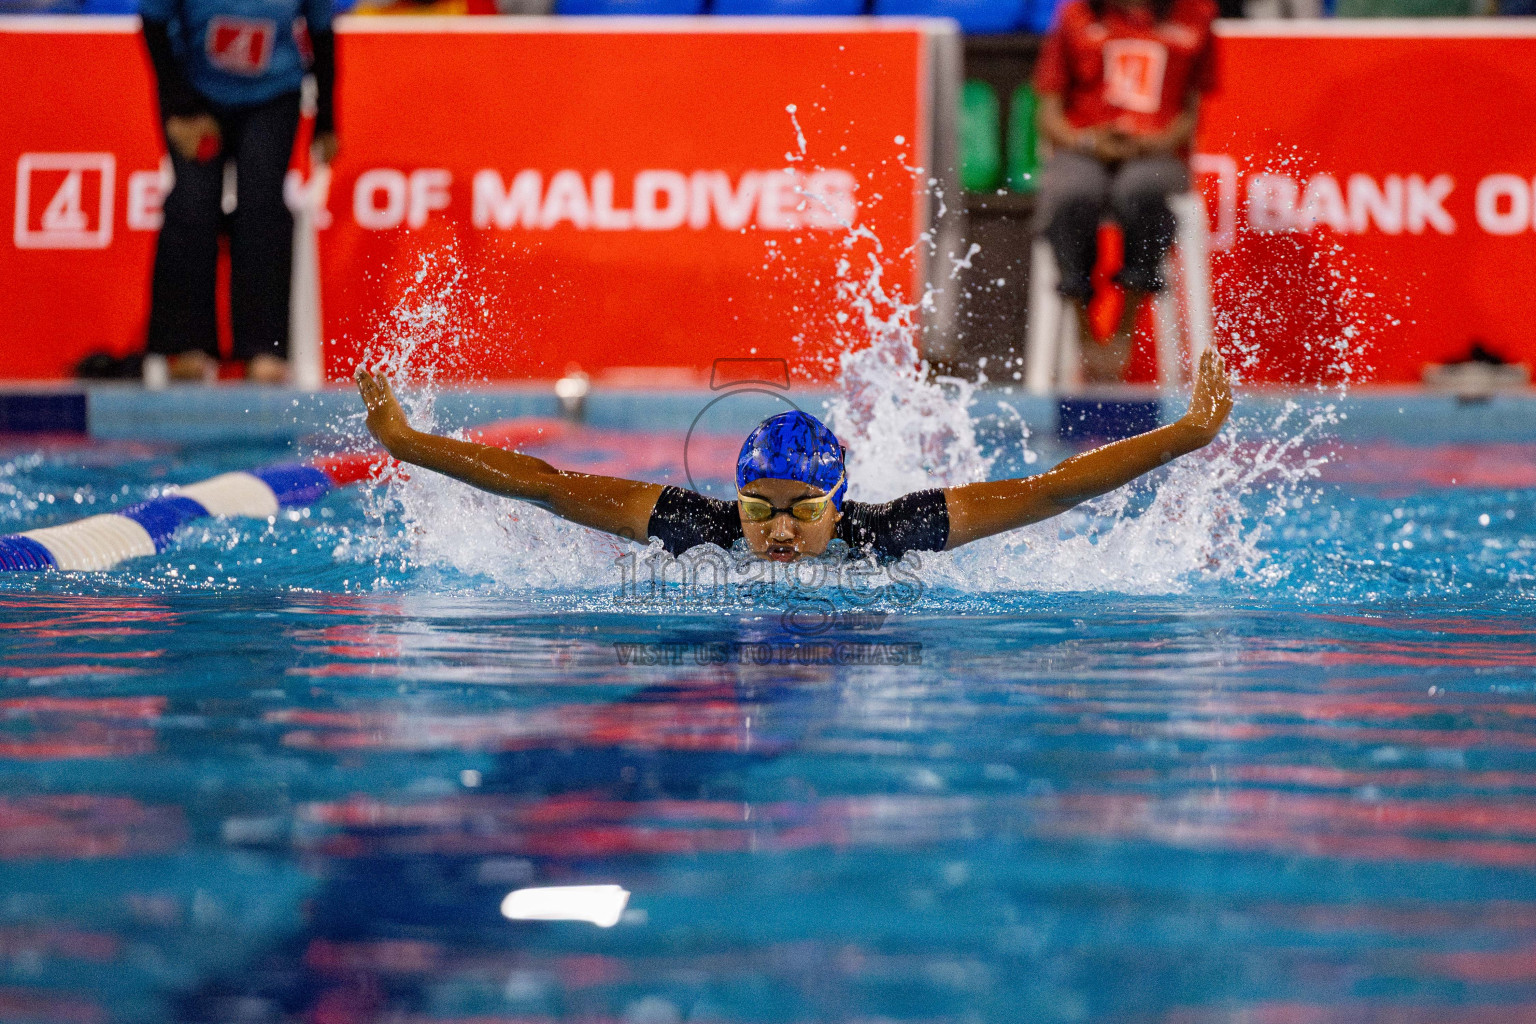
column 1077, row 191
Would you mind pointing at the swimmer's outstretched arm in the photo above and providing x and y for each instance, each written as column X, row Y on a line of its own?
column 605, row 503
column 980, row 510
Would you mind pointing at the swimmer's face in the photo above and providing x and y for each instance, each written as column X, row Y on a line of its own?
column 784, row 538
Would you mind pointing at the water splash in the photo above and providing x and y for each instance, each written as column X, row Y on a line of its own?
column 1295, row 303
column 1206, row 518
column 1211, row 516
column 1208, row 515
column 424, row 335
column 905, row 427
column 421, row 520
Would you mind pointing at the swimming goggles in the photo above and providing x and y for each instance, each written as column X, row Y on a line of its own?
column 807, row 510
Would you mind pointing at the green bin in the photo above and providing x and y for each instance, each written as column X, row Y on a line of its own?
column 981, row 144
column 1023, row 158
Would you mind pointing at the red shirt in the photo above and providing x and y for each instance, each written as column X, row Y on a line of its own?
column 1127, row 68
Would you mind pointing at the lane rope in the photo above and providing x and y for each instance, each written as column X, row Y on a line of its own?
column 146, row 528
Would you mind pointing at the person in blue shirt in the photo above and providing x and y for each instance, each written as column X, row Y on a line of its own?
column 228, row 74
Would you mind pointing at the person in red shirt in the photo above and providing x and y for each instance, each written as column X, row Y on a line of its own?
column 1120, row 83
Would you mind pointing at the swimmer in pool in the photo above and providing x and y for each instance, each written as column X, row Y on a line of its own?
column 791, row 483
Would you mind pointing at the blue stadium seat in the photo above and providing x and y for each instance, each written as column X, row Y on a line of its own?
column 977, row 17
column 830, row 8
column 629, row 7
column 1039, row 15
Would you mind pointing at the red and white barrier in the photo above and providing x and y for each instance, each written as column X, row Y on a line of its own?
column 1368, row 185
column 632, row 192
column 609, row 192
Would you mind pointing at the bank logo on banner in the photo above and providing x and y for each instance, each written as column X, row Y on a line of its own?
column 1133, row 74
column 64, row 200
column 241, row 46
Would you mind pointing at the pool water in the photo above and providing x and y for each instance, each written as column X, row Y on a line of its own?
column 1231, row 746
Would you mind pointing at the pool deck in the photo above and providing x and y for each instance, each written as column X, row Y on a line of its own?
column 227, row 413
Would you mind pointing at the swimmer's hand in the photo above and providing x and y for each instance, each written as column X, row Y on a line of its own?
column 1212, row 401
column 386, row 420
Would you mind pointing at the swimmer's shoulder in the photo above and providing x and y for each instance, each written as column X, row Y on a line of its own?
column 683, row 519
column 918, row 521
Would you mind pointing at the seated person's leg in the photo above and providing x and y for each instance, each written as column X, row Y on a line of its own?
column 1139, row 197
column 1074, row 193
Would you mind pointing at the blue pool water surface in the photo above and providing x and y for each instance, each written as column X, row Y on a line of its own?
column 1178, row 758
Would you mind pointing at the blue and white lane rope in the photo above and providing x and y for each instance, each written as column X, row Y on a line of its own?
column 100, row 542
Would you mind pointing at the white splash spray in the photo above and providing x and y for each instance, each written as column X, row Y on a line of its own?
column 905, row 427
column 1206, row 517
column 419, row 518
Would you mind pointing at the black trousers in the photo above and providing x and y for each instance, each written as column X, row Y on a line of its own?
column 1077, row 191
column 182, row 317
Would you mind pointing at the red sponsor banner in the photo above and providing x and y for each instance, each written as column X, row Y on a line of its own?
column 79, row 176
column 1371, row 190
column 633, row 198
column 535, row 193
column 520, row 194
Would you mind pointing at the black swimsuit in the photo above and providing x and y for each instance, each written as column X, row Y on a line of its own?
column 913, row 522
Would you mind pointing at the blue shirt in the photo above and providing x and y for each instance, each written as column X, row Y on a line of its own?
column 240, row 53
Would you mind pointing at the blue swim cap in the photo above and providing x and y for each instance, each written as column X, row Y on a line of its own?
column 793, row 446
